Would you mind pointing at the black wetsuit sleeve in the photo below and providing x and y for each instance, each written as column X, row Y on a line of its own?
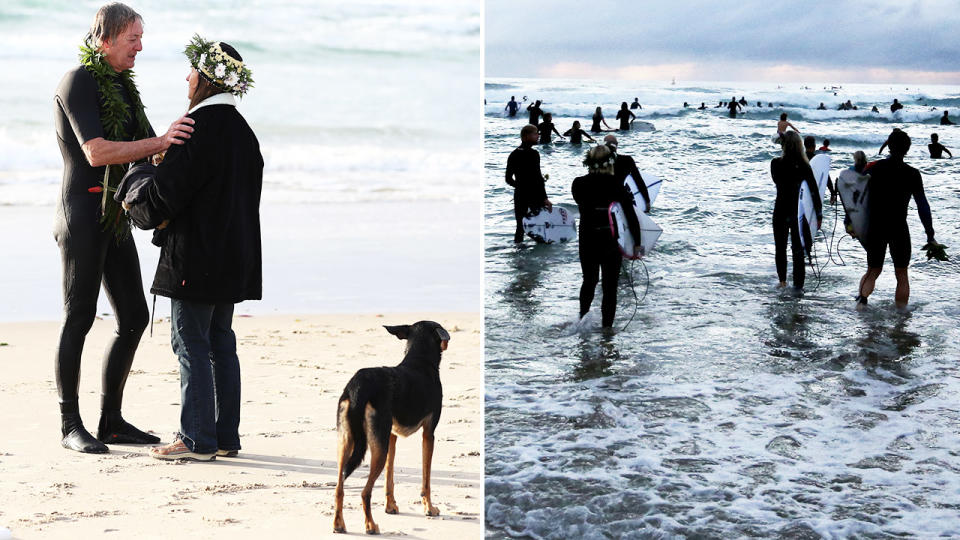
column 626, row 202
column 511, row 170
column 641, row 185
column 80, row 103
column 923, row 207
column 568, row 132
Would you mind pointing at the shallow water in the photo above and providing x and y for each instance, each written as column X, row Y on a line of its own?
column 725, row 408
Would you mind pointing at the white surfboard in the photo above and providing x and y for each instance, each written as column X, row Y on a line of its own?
column 649, row 232
column 549, row 226
column 640, row 125
column 806, row 214
column 653, row 183
column 853, row 188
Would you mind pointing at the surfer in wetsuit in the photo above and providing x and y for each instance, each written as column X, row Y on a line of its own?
column 599, row 252
column 937, row 149
column 702, row 106
column 535, row 113
column 625, row 117
column 788, row 172
column 512, row 107
column 945, row 119
column 597, row 118
column 546, row 127
column 895, row 106
column 636, row 104
column 523, row 173
column 626, row 166
column 733, row 106
column 892, row 183
column 91, row 254
column 576, row 134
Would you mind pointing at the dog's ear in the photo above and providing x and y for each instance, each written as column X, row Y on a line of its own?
column 401, row 331
column 444, row 337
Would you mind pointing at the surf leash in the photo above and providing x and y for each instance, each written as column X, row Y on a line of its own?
column 633, row 289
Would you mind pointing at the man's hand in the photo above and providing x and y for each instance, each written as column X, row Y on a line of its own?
column 178, row 133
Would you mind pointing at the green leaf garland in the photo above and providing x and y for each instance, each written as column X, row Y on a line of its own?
column 114, row 115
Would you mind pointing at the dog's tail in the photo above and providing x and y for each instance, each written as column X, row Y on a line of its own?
column 350, row 417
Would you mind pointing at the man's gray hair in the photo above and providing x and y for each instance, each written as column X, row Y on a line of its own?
column 110, row 21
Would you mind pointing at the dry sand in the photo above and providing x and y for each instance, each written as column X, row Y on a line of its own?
column 281, row 485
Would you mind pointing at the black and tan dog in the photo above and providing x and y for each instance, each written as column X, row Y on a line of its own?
column 380, row 403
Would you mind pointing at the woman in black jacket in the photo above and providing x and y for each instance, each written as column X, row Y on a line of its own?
column 204, row 199
column 788, row 172
column 599, row 252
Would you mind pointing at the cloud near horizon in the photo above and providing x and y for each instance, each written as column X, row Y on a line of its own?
column 850, row 41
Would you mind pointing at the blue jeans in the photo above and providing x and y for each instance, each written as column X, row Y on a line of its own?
column 206, row 346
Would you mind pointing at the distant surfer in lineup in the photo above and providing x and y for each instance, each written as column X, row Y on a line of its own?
column 512, row 107
column 625, row 117
column 636, row 104
column 702, row 106
column 788, row 171
column 535, row 113
column 546, row 128
column 624, row 166
column 895, row 106
column 599, row 252
column 523, row 174
column 937, row 149
column 945, row 119
column 597, row 118
column 822, row 107
column 892, row 183
column 576, row 134
column 825, row 147
column 733, row 106
column 783, row 125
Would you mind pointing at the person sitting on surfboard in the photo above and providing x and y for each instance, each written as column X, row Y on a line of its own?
column 783, row 124
column 546, row 127
column 636, row 104
column 626, row 166
column 937, row 149
column 625, row 117
column 599, row 252
column 945, row 119
column 825, row 148
column 895, row 106
column 576, row 134
column 597, row 118
column 788, row 172
column 892, row 183
column 523, row 173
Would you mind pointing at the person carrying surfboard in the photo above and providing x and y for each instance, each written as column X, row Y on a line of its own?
column 892, row 183
column 788, row 172
column 523, row 174
column 599, row 252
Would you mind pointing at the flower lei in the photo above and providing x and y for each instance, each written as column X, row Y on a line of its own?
column 594, row 166
column 114, row 115
column 218, row 67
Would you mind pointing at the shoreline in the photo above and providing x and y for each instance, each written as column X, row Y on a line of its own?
column 294, row 368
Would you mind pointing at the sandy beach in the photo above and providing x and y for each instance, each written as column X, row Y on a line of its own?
column 281, row 484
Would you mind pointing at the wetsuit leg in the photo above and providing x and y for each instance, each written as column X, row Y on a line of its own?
column 781, row 231
column 799, row 263
column 590, row 267
column 610, row 269
column 82, row 252
column 900, row 247
column 124, row 288
column 226, row 374
column 519, row 211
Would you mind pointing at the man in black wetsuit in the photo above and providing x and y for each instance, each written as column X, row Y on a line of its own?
column 895, row 106
column 535, row 113
column 892, row 183
column 636, row 104
column 90, row 254
column 945, row 119
column 937, row 149
column 523, row 173
column 733, row 106
column 624, row 166
column 512, row 107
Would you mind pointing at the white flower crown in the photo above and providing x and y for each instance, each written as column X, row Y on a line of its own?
column 218, row 67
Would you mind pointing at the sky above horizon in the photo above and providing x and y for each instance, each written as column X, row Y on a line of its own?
column 846, row 41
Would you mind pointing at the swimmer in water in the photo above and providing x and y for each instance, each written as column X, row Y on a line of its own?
column 576, row 134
